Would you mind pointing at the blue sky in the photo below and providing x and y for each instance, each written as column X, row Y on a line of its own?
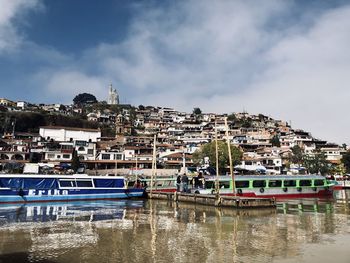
column 285, row 59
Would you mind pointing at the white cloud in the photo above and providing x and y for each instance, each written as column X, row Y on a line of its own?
column 9, row 9
column 223, row 56
column 64, row 86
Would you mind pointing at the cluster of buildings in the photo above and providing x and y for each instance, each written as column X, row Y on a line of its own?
column 178, row 136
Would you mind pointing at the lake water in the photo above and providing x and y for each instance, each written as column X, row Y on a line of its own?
column 159, row 231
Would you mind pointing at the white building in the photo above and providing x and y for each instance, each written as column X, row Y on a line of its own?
column 69, row 134
column 113, row 97
column 21, row 104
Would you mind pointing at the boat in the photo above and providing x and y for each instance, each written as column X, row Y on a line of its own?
column 27, row 188
column 278, row 186
column 342, row 182
column 160, row 184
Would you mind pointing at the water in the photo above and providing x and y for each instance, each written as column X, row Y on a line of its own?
column 159, row 231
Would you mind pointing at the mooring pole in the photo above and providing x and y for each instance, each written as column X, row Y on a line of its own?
column 230, row 158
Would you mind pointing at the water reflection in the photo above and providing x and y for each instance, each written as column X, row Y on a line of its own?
column 43, row 212
column 161, row 231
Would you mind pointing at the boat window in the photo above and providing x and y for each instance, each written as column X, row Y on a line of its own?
column 290, row 183
column 131, row 183
column 224, row 184
column 305, row 183
column 84, row 183
column 275, row 183
column 318, row 182
column 209, row 184
column 67, row 183
column 242, row 184
column 259, row 183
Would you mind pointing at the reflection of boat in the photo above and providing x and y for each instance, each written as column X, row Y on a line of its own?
column 305, row 206
column 270, row 186
column 79, row 211
column 23, row 188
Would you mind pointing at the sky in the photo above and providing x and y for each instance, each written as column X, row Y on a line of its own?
column 289, row 60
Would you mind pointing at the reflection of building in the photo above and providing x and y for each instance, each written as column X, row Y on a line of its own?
column 113, row 97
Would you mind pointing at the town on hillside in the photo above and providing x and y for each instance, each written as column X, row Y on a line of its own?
column 106, row 136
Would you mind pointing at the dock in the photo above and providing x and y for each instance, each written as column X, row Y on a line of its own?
column 237, row 202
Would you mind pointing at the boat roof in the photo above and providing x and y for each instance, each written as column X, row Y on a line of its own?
column 265, row 177
column 61, row 176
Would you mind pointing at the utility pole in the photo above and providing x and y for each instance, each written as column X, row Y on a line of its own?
column 230, row 158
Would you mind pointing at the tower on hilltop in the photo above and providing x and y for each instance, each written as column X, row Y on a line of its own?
column 113, row 97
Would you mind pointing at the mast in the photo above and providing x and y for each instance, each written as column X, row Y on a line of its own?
column 230, row 157
column 136, row 169
column 184, row 161
column 217, row 161
column 154, row 161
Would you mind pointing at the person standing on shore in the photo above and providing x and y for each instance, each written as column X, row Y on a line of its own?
column 178, row 183
column 184, row 181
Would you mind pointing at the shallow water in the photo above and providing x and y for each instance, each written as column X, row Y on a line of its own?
column 159, row 231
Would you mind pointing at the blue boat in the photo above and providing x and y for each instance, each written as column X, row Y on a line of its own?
column 21, row 188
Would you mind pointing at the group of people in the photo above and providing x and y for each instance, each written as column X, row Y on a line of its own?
column 183, row 180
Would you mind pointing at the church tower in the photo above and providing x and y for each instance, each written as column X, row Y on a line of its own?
column 113, row 97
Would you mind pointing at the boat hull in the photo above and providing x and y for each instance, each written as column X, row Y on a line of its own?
column 11, row 196
column 63, row 188
column 274, row 193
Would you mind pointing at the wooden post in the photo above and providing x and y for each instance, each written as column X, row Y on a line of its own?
column 217, row 161
column 154, row 161
column 230, row 158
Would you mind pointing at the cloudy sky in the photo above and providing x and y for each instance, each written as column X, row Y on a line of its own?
column 286, row 59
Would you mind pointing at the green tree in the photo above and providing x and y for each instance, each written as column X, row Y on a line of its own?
column 208, row 150
column 84, row 98
column 197, row 111
column 275, row 141
column 346, row 161
column 232, row 117
column 317, row 164
column 245, row 122
column 338, row 169
column 297, row 155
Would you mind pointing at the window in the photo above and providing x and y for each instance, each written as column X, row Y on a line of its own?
column 50, row 156
column 81, row 149
column 224, row 184
column 106, row 156
column 67, row 183
column 242, row 184
column 290, row 183
column 259, row 183
column 118, row 156
column 58, row 156
column 318, row 182
column 90, row 151
column 209, row 184
column 84, row 183
column 305, row 183
column 275, row 183
column 66, row 156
